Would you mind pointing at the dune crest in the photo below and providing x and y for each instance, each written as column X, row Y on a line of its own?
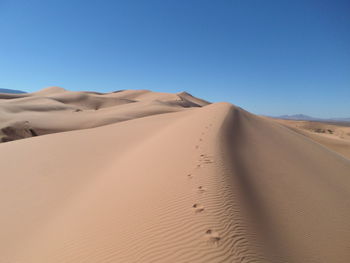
column 55, row 109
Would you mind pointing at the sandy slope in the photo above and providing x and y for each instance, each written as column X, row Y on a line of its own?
column 210, row 184
column 332, row 135
column 55, row 109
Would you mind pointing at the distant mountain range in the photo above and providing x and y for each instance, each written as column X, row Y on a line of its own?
column 302, row 117
column 11, row 91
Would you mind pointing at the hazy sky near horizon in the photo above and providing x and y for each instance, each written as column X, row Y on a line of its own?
column 269, row 57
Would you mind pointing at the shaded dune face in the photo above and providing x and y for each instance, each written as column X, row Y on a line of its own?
column 55, row 109
column 295, row 192
column 203, row 184
column 17, row 131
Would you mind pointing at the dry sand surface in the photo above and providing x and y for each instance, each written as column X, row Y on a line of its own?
column 192, row 184
column 55, row 109
column 335, row 136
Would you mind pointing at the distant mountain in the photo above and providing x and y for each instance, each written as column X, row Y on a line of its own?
column 297, row 117
column 303, row 117
column 13, row 91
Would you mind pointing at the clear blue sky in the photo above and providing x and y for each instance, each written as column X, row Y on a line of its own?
column 269, row 57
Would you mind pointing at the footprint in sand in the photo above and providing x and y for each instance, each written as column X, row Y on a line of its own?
column 201, row 189
column 205, row 159
column 198, row 208
column 212, row 236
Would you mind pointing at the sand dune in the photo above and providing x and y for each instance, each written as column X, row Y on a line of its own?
column 193, row 184
column 55, row 109
column 332, row 135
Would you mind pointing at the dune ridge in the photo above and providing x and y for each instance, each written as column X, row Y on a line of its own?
column 55, row 109
column 201, row 184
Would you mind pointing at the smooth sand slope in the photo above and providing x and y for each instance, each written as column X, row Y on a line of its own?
column 55, row 109
column 335, row 136
column 203, row 184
